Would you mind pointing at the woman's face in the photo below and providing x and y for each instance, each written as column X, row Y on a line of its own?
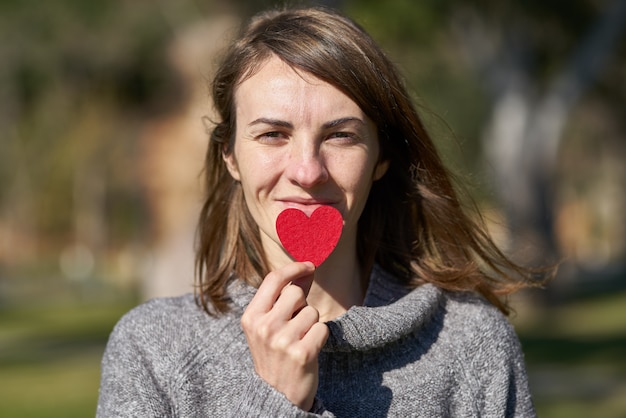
column 301, row 143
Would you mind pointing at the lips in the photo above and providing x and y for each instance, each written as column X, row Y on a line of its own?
column 306, row 205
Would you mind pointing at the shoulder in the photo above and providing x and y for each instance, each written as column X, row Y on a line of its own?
column 175, row 323
column 488, row 355
column 165, row 352
column 477, row 326
column 168, row 333
column 158, row 314
column 473, row 314
column 480, row 340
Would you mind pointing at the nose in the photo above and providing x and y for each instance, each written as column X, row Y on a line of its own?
column 306, row 165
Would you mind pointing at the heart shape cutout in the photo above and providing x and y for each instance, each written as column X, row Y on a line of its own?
column 309, row 239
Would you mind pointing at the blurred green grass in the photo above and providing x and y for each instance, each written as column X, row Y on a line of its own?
column 50, row 356
column 576, row 356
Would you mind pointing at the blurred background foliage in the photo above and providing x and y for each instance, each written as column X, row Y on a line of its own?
column 96, row 98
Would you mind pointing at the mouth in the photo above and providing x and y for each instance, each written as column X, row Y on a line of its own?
column 306, row 205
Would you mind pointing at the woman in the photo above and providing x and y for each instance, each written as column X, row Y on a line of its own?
column 404, row 318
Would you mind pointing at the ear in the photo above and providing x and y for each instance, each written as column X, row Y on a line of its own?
column 380, row 169
column 231, row 164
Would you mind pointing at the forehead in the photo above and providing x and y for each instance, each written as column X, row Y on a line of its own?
column 276, row 86
column 271, row 65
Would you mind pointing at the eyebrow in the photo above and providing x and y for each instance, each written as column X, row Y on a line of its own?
column 285, row 124
column 273, row 122
column 342, row 121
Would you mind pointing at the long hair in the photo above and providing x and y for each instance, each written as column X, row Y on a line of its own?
column 413, row 224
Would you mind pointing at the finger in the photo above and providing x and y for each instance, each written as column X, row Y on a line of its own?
column 302, row 322
column 303, row 336
column 273, row 284
column 316, row 336
column 304, row 283
column 291, row 300
column 307, row 349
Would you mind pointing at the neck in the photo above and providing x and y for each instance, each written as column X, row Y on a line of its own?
column 337, row 287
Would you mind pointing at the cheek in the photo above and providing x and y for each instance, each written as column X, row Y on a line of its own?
column 354, row 175
column 258, row 168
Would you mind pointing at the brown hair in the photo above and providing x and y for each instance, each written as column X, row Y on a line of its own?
column 413, row 224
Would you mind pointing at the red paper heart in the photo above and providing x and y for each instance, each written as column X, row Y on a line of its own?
column 309, row 239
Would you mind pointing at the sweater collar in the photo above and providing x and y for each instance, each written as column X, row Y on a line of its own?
column 390, row 312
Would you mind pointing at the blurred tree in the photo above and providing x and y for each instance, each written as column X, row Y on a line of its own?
column 530, row 64
column 537, row 68
column 77, row 79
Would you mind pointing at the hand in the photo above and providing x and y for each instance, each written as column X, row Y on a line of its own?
column 284, row 333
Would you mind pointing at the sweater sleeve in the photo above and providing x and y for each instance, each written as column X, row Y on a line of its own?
column 493, row 365
column 261, row 399
column 128, row 385
column 503, row 376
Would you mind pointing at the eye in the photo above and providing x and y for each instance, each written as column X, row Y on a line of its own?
column 343, row 137
column 272, row 138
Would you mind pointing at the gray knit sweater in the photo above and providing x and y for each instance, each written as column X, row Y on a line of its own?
column 420, row 353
